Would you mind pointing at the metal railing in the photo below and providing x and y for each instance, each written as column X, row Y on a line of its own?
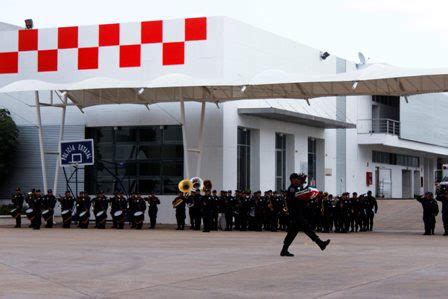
column 378, row 126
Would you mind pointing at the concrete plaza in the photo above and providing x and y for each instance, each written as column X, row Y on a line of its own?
column 395, row 261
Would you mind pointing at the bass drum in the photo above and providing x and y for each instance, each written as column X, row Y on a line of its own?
column 66, row 216
column 307, row 194
column 139, row 217
column 47, row 215
column 30, row 214
column 101, row 217
column 84, row 217
column 119, row 216
column 16, row 212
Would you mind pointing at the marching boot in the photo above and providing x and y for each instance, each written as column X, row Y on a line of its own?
column 322, row 244
column 285, row 252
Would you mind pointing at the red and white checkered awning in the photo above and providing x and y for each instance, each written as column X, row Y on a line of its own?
column 111, row 63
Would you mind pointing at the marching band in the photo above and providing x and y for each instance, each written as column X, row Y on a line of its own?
column 207, row 209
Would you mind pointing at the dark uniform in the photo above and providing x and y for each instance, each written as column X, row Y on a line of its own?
column 430, row 211
column 132, row 208
column 153, row 202
column 48, row 203
column 100, row 203
column 192, row 210
column 284, row 213
column 83, row 204
column 196, row 210
column 444, row 199
column 17, row 202
column 115, row 206
column 355, row 215
column 371, row 208
column 36, row 204
column 297, row 220
column 228, row 209
column 207, row 211
column 327, row 213
column 244, row 211
column 67, row 203
column 180, row 211
column 346, row 212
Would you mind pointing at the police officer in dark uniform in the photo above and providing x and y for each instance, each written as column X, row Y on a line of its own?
column 196, row 200
column 100, row 203
column 67, row 203
column 297, row 220
column 17, row 202
column 83, row 204
column 244, row 210
column 36, row 205
column 371, row 208
column 346, row 212
column 327, row 213
column 115, row 206
column 180, row 202
column 430, row 211
column 443, row 197
column 228, row 208
column 140, row 206
column 207, row 211
column 132, row 208
column 216, row 209
column 48, row 203
column 153, row 202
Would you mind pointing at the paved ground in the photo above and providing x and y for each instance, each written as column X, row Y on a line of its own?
column 396, row 261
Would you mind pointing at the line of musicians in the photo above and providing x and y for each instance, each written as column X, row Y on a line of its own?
column 122, row 209
column 239, row 210
column 243, row 210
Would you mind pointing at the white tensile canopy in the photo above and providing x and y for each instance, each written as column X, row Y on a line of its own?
column 200, row 59
column 272, row 84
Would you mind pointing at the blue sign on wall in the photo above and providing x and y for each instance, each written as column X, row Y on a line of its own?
column 77, row 152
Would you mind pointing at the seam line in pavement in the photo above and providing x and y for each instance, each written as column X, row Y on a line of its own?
column 44, row 278
column 172, row 284
column 374, row 281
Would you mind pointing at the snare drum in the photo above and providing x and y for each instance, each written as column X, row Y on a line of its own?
column 101, row 217
column 30, row 214
column 84, row 217
column 66, row 215
column 139, row 217
column 16, row 212
column 119, row 216
column 47, row 215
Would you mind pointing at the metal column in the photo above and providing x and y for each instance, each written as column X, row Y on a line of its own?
column 184, row 136
column 41, row 140
column 201, row 139
column 61, row 136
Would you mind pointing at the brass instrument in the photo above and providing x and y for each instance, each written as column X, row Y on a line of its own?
column 185, row 186
column 177, row 202
column 197, row 184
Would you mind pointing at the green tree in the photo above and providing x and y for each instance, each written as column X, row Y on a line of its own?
column 8, row 142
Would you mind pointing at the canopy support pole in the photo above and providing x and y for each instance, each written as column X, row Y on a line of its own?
column 184, row 135
column 61, row 136
column 201, row 139
column 41, row 140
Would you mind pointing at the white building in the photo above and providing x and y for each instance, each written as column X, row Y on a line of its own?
column 255, row 144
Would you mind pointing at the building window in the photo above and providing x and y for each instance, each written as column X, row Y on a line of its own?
column 131, row 159
column 280, row 161
column 243, row 164
column 312, row 154
column 395, row 159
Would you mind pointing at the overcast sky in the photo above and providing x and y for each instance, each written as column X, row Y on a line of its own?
column 410, row 33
